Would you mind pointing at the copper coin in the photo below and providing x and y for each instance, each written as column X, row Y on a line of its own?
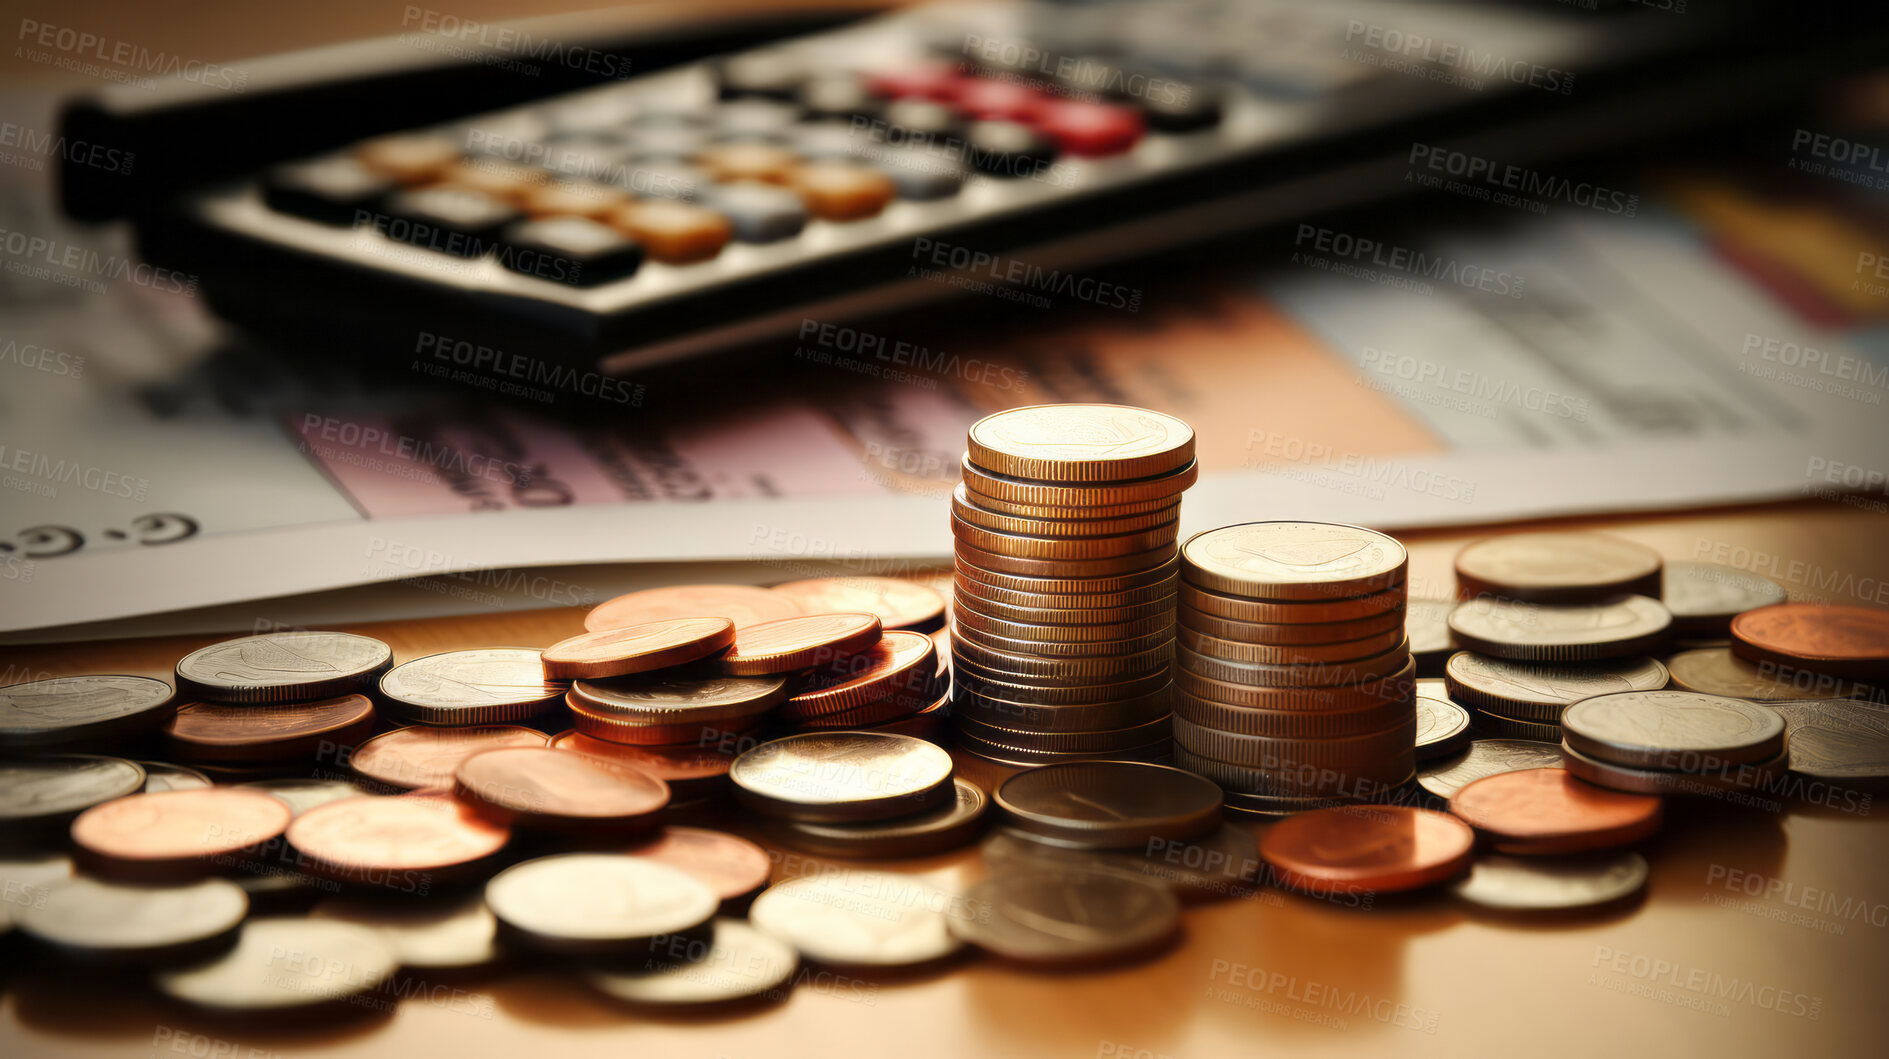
column 1348, row 754
column 1680, row 730
column 1081, row 442
column 1042, row 717
column 690, row 771
column 97, row 921
column 728, row 865
column 899, row 603
column 207, row 731
column 742, row 604
column 46, row 790
column 988, row 648
column 1110, row 566
column 1293, row 633
column 400, row 843
column 1398, row 686
column 859, row 918
column 637, row 648
column 283, row 667
column 1157, row 580
column 495, row 685
column 415, row 758
column 1027, row 667
column 597, row 903
column 1548, row 810
column 1065, row 511
column 1293, row 560
column 874, row 714
column 901, row 665
column 1047, row 610
column 684, row 698
column 1539, row 691
column 71, row 711
column 1705, row 597
column 177, row 833
column 1717, row 671
column 1020, row 546
column 1095, row 741
column 1841, row 739
column 1035, row 493
column 1158, row 752
column 1442, row 727
column 966, row 509
column 1291, row 654
column 1486, row 757
column 1110, row 804
column 543, row 788
column 843, row 776
column 610, row 726
column 1292, row 612
column 1373, row 715
column 164, row 776
column 793, row 644
column 284, row 964
column 1383, row 848
column 1313, row 675
column 1067, row 693
column 1557, row 567
column 1067, row 916
column 1551, row 632
column 1842, row 640
column 1365, row 777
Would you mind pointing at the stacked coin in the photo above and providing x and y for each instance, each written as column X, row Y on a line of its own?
column 1063, row 625
column 1674, row 742
column 1524, row 700
column 1295, row 686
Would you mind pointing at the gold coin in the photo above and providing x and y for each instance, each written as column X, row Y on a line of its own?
column 1291, row 612
column 1040, row 717
column 1161, row 578
column 1280, row 633
column 1049, row 494
column 1557, row 567
column 1062, row 569
column 1075, row 524
column 1374, row 716
column 1081, row 442
column 1293, row 560
column 1324, row 674
column 1398, row 686
column 1161, row 621
column 1065, row 512
column 1290, row 654
column 1097, row 547
column 899, row 603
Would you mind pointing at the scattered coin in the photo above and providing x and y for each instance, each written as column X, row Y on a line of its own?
column 23, row 882
column 923, row 834
column 737, row 962
column 400, row 843
column 1486, row 757
column 1442, row 727
column 1841, row 640
column 301, row 795
column 546, row 789
column 1557, row 568
column 1496, row 726
column 1717, row 671
column 1552, row 884
column 1057, row 917
column 416, row 758
column 1381, row 848
column 99, row 921
column 637, row 648
column 1547, row 632
column 81, row 710
column 901, row 666
column 689, row 698
column 44, row 791
column 596, row 904
column 729, row 865
column 1293, row 561
column 164, row 776
column 1678, row 730
column 859, row 918
column 900, row 604
column 1539, row 691
column 1219, row 864
column 793, row 644
column 692, row 772
column 1081, row 443
column 1705, row 597
column 175, row 834
column 1711, row 780
column 1429, row 629
column 496, row 685
column 1111, row 804
column 291, row 666
column 1837, row 739
column 219, row 732
column 432, row 936
column 742, row 604
column 1548, row 810
column 843, row 776
column 283, row 964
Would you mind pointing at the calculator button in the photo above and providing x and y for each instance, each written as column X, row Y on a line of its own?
column 925, row 79
column 450, row 220
column 329, row 190
column 747, row 161
column 759, row 213
column 827, row 139
column 668, row 118
column 495, row 177
column 675, row 232
column 1008, row 149
column 409, row 159
column 1091, row 129
column 919, row 174
column 838, row 96
column 987, row 99
column 842, row 191
column 675, row 142
column 921, row 119
column 769, row 74
column 577, row 198
column 665, row 180
column 569, row 250
column 1181, row 106
column 754, row 119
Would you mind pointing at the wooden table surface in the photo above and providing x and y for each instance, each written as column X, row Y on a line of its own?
column 1761, row 933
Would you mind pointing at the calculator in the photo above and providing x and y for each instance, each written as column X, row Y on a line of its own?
column 911, row 157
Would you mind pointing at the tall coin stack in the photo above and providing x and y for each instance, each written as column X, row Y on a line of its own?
column 1063, row 627
column 1295, row 687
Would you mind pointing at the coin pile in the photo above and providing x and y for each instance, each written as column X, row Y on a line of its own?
column 1295, row 686
column 1661, row 742
column 1063, row 622
column 858, row 794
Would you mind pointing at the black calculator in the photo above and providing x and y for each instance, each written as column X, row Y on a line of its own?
column 905, row 157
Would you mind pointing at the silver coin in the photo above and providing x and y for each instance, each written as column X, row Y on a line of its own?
column 1539, row 691
column 497, row 685
column 164, row 776
column 738, row 962
column 832, row 777
column 1442, row 727
column 66, row 711
column 1427, row 621
column 1674, row 730
column 1705, row 597
column 36, row 790
column 301, row 795
column 1222, row 863
column 109, row 922
column 291, row 666
column 432, row 935
column 859, row 918
column 1717, row 671
column 1547, row 884
column 1837, row 739
column 284, row 964
column 1063, row 916
column 1550, row 632
column 23, row 883
column 602, row 903
column 1486, row 757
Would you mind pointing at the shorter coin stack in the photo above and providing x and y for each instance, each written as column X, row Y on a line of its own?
column 1524, row 700
column 1295, row 687
column 1063, row 628
column 1674, row 742
column 858, row 794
